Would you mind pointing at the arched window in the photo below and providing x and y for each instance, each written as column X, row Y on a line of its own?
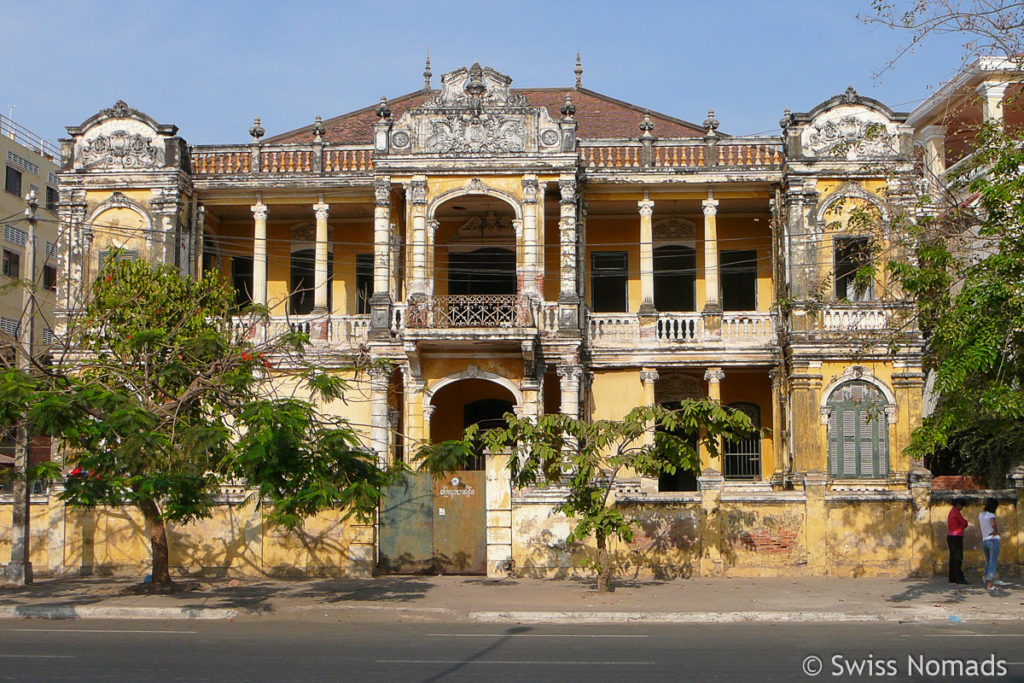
column 858, row 431
column 741, row 458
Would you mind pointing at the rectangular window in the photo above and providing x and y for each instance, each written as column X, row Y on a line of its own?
column 12, row 263
column 50, row 278
column 851, row 255
column 12, row 183
column 52, row 197
column 10, row 326
column 609, row 281
column 739, row 280
column 241, row 279
column 364, row 282
column 122, row 255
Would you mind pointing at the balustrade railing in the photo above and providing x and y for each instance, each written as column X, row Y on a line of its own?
column 842, row 318
column 280, row 160
column 746, row 327
column 684, row 153
column 469, row 310
column 613, row 326
column 680, row 327
column 345, row 330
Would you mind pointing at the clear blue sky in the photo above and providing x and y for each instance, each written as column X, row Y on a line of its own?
column 209, row 67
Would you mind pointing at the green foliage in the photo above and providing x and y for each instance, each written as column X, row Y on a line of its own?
column 588, row 458
column 160, row 402
column 971, row 310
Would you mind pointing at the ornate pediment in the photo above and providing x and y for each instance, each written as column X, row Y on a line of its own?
column 854, row 135
column 120, row 138
column 475, row 113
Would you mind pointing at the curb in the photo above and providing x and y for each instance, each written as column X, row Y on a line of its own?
column 715, row 617
column 86, row 612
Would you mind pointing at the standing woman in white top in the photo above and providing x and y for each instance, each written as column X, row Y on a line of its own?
column 989, row 540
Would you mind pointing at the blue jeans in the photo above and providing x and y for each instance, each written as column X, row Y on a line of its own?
column 991, row 548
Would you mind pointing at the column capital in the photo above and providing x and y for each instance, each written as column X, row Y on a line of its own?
column 931, row 132
column 649, row 376
column 428, row 411
column 382, row 191
column 380, row 374
column 714, row 375
column 418, row 191
column 322, row 210
column 530, row 189
column 432, row 225
column 646, row 206
column 710, row 207
column 990, row 89
column 567, row 187
column 259, row 211
column 571, row 373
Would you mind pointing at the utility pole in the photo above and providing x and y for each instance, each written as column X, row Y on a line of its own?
column 20, row 568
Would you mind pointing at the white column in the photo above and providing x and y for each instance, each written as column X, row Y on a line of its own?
column 380, row 378
column 567, row 234
column 646, row 206
column 428, row 269
column 992, row 101
column 532, row 255
column 934, row 140
column 569, row 379
column 381, row 235
column 320, row 283
column 649, row 378
column 418, row 202
column 259, row 252
column 712, row 302
column 714, row 377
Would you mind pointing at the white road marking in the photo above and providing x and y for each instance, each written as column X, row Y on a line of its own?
column 88, row 630
column 488, row 662
column 37, row 656
column 539, row 635
column 967, row 635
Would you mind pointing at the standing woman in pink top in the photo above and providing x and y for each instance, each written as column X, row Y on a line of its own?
column 955, row 541
column 989, row 540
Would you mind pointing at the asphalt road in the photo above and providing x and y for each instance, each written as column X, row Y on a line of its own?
column 264, row 650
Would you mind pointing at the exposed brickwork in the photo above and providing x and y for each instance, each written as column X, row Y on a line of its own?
column 778, row 542
column 958, row 483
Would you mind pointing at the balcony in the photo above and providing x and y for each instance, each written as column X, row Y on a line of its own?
column 337, row 331
column 676, row 330
column 469, row 311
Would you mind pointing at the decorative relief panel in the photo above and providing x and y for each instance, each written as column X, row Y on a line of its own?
column 120, row 149
column 852, row 133
column 475, row 113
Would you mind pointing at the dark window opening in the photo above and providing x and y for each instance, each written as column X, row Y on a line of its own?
column 303, row 281
column 488, row 413
column 609, row 281
column 491, row 270
column 675, row 278
column 12, row 183
column 739, row 280
column 241, row 278
column 50, row 278
column 12, row 263
column 52, row 198
column 364, row 282
column 742, row 457
column 852, row 254
column 681, row 480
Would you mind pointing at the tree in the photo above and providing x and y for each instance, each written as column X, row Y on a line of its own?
column 968, row 267
column 158, row 402
column 588, row 459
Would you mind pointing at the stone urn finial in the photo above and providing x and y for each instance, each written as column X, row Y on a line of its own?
column 711, row 123
column 383, row 111
column 319, row 129
column 256, row 131
column 568, row 109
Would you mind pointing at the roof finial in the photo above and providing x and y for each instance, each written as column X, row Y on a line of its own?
column 257, row 130
column 578, row 71
column 426, row 72
column 319, row 129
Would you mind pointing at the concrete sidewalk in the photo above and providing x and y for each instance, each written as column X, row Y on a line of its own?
column 477, row 599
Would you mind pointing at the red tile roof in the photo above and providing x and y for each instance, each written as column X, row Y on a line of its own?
column 599, row 116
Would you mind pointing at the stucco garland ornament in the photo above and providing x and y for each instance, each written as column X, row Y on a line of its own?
column 123, row 149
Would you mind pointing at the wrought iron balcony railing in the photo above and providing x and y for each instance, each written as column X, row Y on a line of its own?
column 469, row 310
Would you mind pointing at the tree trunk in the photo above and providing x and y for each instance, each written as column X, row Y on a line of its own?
column 157, row 532
column 604, row 567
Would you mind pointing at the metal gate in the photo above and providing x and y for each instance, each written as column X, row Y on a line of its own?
column 434, row 527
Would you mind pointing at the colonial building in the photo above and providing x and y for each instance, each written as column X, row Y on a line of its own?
column 549, row 250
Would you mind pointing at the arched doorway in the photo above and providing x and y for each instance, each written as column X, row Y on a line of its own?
column 440, row 526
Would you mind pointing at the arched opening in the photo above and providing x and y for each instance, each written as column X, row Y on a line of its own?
column 303, row 281
column 858, row 431
column 675, row 278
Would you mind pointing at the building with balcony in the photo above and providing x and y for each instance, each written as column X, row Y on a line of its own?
column 545, row 250
column 30, row 165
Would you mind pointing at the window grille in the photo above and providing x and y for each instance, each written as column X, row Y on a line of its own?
column 10, row 326
column 15, row 236
column 23, row 164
